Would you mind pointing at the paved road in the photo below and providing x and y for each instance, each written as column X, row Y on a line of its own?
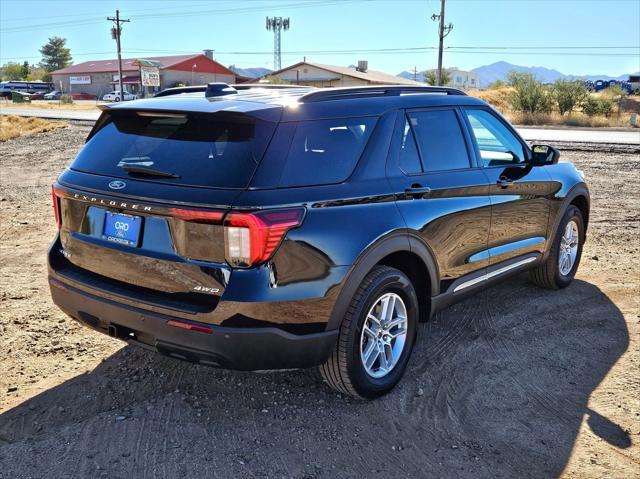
column 91, row 115
column 581, row 135
column 578, row 135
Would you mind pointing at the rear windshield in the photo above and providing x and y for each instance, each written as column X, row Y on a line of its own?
column 325, row 151
column 220, row 150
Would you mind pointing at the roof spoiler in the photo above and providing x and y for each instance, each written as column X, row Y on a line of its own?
column 210, row 90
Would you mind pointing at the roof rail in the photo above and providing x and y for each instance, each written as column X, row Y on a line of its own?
column 266, row 86
column 374, row 91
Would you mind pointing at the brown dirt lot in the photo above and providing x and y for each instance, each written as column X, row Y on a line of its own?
column 514, row 382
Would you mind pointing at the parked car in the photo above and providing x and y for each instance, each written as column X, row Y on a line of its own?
column 83, row 96
column 38, row 96
column 54, row 95
column 300, row 227
column 117, row 96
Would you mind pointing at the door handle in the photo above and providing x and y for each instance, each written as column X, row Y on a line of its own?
column 503, row 181
column 417, row 191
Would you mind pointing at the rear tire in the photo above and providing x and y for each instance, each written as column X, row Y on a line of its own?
column 369, row 329
column 560, row 267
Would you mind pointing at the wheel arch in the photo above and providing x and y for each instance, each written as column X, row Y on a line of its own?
column 579, row 197
column 399, row 250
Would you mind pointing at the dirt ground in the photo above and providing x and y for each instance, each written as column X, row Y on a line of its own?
column 515, row 382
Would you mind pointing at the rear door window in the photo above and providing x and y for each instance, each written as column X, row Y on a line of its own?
column 219, row 150
column 325, row 151
column 440, row 140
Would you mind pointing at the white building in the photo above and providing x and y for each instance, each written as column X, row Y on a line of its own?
column 463, row 79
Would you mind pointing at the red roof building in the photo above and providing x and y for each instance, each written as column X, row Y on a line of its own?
column 98, row 77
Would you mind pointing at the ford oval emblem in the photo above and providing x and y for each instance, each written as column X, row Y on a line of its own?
column 117, row 185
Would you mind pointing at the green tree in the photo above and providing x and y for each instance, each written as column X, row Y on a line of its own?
column 39, row 74
column 25, row 69
column 55, row 55
column 529, row 95
column 568, row 94
column 431, row 77
column 12, row 71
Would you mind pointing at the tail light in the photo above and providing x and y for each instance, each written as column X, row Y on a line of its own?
column 56, row 205
column 252, row 238
column 198, row 216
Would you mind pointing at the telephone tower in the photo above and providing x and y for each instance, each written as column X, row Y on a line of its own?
column 277, row 24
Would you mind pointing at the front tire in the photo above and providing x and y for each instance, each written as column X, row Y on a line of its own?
column 560, row 267
column 376, row 336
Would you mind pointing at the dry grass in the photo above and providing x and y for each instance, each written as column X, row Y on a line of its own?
column 15, row 126
column 574, row 119
column 53, row 105
column 498, row 98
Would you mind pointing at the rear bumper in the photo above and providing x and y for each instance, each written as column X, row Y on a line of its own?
column 233, row 348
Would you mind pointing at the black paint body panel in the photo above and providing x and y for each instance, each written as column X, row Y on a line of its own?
column 286, row 312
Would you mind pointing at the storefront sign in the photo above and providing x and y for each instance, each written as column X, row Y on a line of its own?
column 150, row 76
column 80, row 80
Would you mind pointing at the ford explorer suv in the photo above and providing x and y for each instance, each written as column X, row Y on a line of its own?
column 258, row 229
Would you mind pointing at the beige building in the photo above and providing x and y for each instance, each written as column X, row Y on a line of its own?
column 320, row 75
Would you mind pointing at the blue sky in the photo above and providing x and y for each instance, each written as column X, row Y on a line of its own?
column 523, row 32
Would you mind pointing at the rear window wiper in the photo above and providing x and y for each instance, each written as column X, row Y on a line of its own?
column 145, row 170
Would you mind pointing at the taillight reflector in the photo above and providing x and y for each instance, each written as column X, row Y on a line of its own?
column 252, row 238
column 56, row 206
column 190, row 327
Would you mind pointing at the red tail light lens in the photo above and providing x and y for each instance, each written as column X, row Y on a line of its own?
column 252, row 238
column 201, row 216
column 56, row 206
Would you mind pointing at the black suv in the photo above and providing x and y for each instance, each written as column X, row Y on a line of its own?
column 263, row 228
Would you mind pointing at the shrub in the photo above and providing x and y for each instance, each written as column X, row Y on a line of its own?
column 66, row 98
column 529, row 95
column 597, row 106
column 497, row 85
column 568, row 94
column 605, row 107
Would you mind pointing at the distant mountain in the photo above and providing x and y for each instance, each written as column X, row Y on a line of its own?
column 500, row 70
column 409, row 75
column 250, row 72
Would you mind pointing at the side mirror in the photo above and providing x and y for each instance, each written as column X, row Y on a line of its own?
column 545, row 155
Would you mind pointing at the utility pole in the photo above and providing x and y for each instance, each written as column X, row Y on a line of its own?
column 115, row 34
column 277, row 24
column 415, row 73
column 443, row 31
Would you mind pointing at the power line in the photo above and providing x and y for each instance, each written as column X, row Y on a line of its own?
column 227, row 11
column 371, row 51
